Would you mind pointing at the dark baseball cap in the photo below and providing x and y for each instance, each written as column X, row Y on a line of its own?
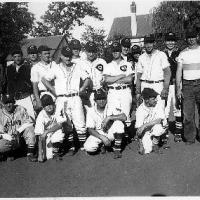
column 135, row 49
column 46, row 100
column 126, row 42
column 148, row 93
column 43, row 48
column 116, row 47
column 170, row 37
column 149, row 39
column 100, row 94
column 8, row 98
column 91, row 47
column 66, row 51
column 75, row 44
column 32, row 49
column 191, row 34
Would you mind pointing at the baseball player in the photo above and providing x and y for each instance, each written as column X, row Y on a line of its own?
column 18, row 82
column 14, row 123
column 67, row 76
column 38, row 71
column 104, row 127
column 49, row 129
column 172, row 53
column 150, row 121
column 126, row 44
column 75, row 46
column 32, row 52
column 118, row 75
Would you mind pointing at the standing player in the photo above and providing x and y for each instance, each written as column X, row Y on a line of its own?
column 38, row 71
column 67, row 76
column 103, row 127
column 172, row 53
column 118, row 76
column 126, row 44
column 14, row 123
column 32, row 55
column 75, row 46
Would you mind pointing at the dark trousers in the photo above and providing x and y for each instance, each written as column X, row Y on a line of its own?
column 191, row 96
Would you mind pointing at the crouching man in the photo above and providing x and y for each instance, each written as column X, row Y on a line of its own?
column 150, row 121
column 49, row 129
column 14, row 124
column 104, row 127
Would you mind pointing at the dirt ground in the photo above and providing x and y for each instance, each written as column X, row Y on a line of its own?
column 173, row 173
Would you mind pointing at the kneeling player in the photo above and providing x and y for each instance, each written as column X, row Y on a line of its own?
column 104, row 127
column 14, row 124
column 49, row 129
column 150, row 121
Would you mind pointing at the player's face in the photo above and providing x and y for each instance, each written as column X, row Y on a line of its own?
column 170, row 44
column 101, row 103
column 151, row 102
column 45, row 56
column 17, row 58
column 136, row 56
column 149, row 47
column 50, row 109
column 91, row 55
column 33, row 57
column 9, row 107
column 192, row 41
column 66, row 60
column 76, row 52
column 125, row 50
column 116, row 55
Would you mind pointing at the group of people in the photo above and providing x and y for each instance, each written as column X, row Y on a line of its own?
column 87, row 103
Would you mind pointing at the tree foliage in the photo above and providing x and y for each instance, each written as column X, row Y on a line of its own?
column 61, row 17
column 16, row 22
column 176, row 16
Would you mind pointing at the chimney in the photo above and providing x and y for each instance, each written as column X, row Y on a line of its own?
column 133, row 19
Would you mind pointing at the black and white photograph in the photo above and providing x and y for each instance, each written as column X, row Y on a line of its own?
column 99, row 99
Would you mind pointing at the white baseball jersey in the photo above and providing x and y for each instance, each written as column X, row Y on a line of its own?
column 146, row 114
column 38, row 71
column 66, row 81
column 152, row 66
column 45, row 122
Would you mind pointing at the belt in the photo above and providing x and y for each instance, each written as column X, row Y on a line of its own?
column 147, row 81
column 192, row 81
column 68, row 95
column 20, row 95
column 119, row 87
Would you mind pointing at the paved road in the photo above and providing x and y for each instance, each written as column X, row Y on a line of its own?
column 176, row 172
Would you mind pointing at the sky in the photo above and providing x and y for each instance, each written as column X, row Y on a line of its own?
column 108, row 8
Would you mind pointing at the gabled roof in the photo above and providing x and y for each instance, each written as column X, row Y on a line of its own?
column 54, row 42
column 122, row 26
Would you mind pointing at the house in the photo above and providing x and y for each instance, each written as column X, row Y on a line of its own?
column 133, row 26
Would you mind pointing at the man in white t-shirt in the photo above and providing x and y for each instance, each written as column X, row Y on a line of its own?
column 150, row 121
column 38, row 71
column 104, row 127
column 188, row 73
column 67, row 76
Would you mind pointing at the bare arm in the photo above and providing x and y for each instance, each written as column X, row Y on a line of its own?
column 126, row 80
column 86, row 84
column 36, row 94
column 167, row 76
column 112, row 79
column 49, row 86
column 179, row 79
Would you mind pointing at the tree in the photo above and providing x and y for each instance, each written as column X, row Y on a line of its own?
column 176, row 16
column 61, row 17
column 16, row 22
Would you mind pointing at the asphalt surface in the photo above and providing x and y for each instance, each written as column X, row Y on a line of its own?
column 173, row 173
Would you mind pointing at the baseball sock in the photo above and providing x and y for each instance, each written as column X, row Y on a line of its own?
column 31, row 149
column 56, row 147
column 117, row 145
column 71, row 140
column 178, row 125
column 82, row 139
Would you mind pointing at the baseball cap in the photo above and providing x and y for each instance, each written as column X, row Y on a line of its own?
column 75, row 44
column 91, row 47
column 148, row 93
column 46, row 100
column 191, row 34
column 116, row 47
column 135, row 49
column 8, row 98
column 149, row 39
column 126, row 42
column 43, row 48
column 100, row 94
column 32, row 49
column 66, row 51
column 170, row 37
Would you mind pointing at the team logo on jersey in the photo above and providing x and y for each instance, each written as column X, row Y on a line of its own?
column 100, row 67
column 123, row 68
